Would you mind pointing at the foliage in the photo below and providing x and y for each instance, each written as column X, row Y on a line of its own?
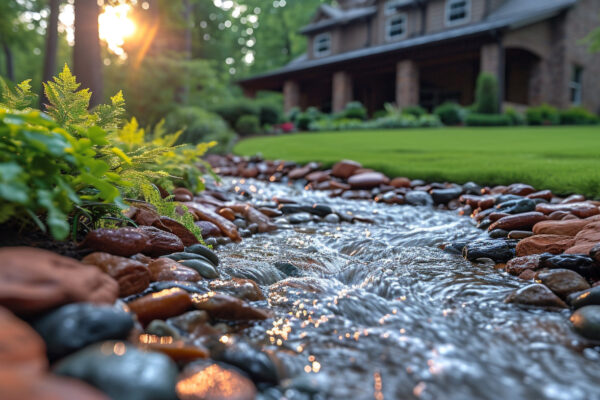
column 336, row 124
column 199, row 125
column 476, row 119
column 232, row 111
column 270, row 114
column 416, row 111
column 450, row 113
column 353, row 110
column 578, row 116
column 305, row 119
column 20, row 99
column 515, row 117
column 486, row 94
column 542, row 115
column 248, row 125
column 390, row 121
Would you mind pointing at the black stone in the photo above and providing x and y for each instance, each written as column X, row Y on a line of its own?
column 455, row 247
column 471, row 188
column 588, row 297
column 498, row 234
column 291, row 209
column 586, row 322
column 508, row 197
column 517, row 206
column 203, row 251
column 317, row 209
column 498, row 250
column 299, row 218
column 74, row 326
column 253, row 362
column 443, row 196
column 204, row 268
column 182, row 256
column 190, row 287
column 288, row 269
column 582, row 264
column 418, row 198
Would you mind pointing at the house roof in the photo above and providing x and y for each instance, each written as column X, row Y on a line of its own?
column 512, row 14
column 337, row 16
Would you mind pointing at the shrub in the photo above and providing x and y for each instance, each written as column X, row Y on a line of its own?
column 416, row 111
column 354, row 110
column 199, row 125
column 578, row 116
column 380, row 114
column 269, row 114
column 450, row 113
column 486, row 94
column 542, row 115
column 303, row 120
column 248, row 125
column 429, row 121
column 293, row 114
column 343, row 124
column 475, row 119
column 516, row 118
column 232, row 111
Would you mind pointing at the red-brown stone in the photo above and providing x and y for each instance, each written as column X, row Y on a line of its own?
column 586, row 239
column 165, row 269
column 223, row 306
column 254, row 216
column 565, row 227
column 367, row 180
column 227, row 213
column 160, row 242
column 539, row 244
column 226, row 227
column 208, row 229
column 581, row 210
column 21, row 348
column 344, row 169
column 544, row 194
column 518, row 221
column 244, row 289
column 210, row 381
column 400, row 182
column 121, row 242
column 178, row 229
column 517, row 265
column 520, row 189
column 162, row 305
column 132, row 276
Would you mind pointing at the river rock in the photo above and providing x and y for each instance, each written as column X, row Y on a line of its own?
column 519, row 221
column 75, row 326
column 563, row 282
column 320, row 210
column 495, row 216
column 208, row 229
column 21, row 348
column 204, row 214
column 158, row 327
column 254, row 216
column 243, row 289
column 345, row 169
column 527, row 275
column 574, row 198
column 184, row 255
column 564, row 228
column 519, row 264
column 367, row 180
column 299, row 218
column 204, row 268
column 518, row 235
column 318, row 176
column 517, row 206
column 535, row 295
column 165, row 269
column 544, row 194
column 208, row 380
column 121, row 242
column 589, row 297
column 520, row 189
column 160, row 242
column 400, row 182
column 539, row 244
column 288, row 269
column 581, row 210
column 418, row 198
column 164, row 304
column 580, row 263
column 299, row 172
column 586, row 239
column 498, row 250
column 223, row 306
column 498, row 234
column 178, row 350
column 595, row 253
column 34, row 280
column 253, row 362
column 586, row 322
column 177, row 229
column 205, row 252
column 19, row 386
column 132, row 276
column 506, row 198
column 443, row 196
column 332, row 219
column 122, row 371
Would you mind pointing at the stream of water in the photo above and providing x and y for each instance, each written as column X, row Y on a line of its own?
column 381, row 313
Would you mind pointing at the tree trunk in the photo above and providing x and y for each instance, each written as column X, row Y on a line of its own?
column 183, row 93
column 51, row 48
column 8, row 58
column 87, row 60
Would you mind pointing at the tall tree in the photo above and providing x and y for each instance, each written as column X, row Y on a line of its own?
column 87, row 60
column 51, row 46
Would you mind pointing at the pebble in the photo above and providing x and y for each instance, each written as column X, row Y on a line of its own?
column 161, row 305
column 520, row 189
column 204, row 268
column 209, row 230
column 563, row 282
column 288, row 269
column 498, row 250
column 400, row 182
column 443, row 196
column 586, row 322
column 33, row 281
column 121, row 242
column 595, row 253
column 258, row 365
column 223, row 306
column 519, row 264
column 535, row 295
column 498, row 234
column 539, row 244
column 77, row 325
column 418, row 198
column 521, row 221
column 586, row 239
column 581, row 210
column 270, row 212
column 518, row 235
column 471, row 188
column 544, row 194
column 580, row 263
column 320, row 210
column 332, row 219
column 244, row 289
column 517, row 206
column 166, row 269
column 367, row 180
column 565, row 228
column 204, row 251
column 122, row 371
column 177, row 229
column 178, row 350
column 208, row 380
column 299, row 218
column 318, row 176
column 159, row 327
column 190, row 321
column 21, row 348
column 585, row 298
column 131, row 275
column 345, row 168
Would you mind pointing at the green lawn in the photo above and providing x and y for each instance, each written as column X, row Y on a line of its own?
column 564, row 159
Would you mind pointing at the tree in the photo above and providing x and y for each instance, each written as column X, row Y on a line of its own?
column 51, row 46
column 87, row 60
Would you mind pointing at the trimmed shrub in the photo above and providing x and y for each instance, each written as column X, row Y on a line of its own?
column 416, row 111
column 293, row 114
column 343, row 124
column 380, row 114
column 475, row 119
column 486, row 94
column 354, row 110
column 248, row 125
column 303, row 120
column 578, row 116
column 450, row 113
column 234, row 110
column 429, row 121
column 542, row 115
column 516, row 117
column 270, row 114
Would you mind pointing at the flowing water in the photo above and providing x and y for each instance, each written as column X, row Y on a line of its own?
column 381, row 313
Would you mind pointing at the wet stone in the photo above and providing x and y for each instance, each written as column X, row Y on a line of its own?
column 122, row 371
column 21, row 348
column 498, row 234
column 580, row 263
column 536, row 295
column 208, row 380
column 259, row 367
column 204, row 268
column 190, row 321
column 159, row 327
column 161, row 305
column 75, row 326
column 471, row 188
column 518, row 235
column 320, row 210
column 204, row 251
column 344, row 169
column 586, row 322
column 223, row 306
column 519, row 264
column 332, row 219
column 539, row 244
column 165, row 269
column 508, row 198
column 517, row 206
column 160, row 242
column 455, row 247
column 288, row 269
column 132, row 276
column 209, row 230
column 499, row 251
column 121, row 242
column 520, row 189
column 595, row 253
column 240, row 223
column 520, row 221
column 244, row 289
column 367, row 180
column 418, row 198
column 587, row 297
column 563, row 282
column 443, row 196
column 299, row 218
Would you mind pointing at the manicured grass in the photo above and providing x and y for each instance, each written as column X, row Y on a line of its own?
column 564, row 159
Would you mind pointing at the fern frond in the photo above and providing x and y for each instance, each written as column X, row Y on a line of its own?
column 21, row 99
column 68, row 105
column 111, row 116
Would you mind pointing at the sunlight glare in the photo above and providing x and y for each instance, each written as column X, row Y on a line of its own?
column 115, row 27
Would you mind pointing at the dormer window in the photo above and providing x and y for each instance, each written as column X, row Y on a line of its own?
column 391, row 6
column 322, row 45
column 395, row 27
column 457, row 12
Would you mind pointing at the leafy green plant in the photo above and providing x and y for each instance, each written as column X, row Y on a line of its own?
column 248, row 125
column 234, row 110
column 353, row 110
column 486, row 94
column 542, row 115
column 515, row 117
column 450, row 113
column 476, row 119
column 578, row 116
column 416, row 111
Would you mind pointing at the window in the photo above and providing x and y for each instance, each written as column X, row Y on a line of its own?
column 395, row 27
column 391, row 6
column 457, row 12
column 576, row 85
column 322, row 45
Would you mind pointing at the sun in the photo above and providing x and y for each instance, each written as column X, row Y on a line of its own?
column 116, row 26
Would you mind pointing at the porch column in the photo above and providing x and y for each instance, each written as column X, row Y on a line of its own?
column 407, row 83
column 342, row 90
column 250, row 93
column 291, row 95
column 492, row 62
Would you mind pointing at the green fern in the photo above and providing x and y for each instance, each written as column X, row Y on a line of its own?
column 21, row 99
column 111, row 116
column 68, row 105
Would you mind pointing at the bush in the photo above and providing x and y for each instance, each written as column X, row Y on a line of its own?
column 354, row 110
column 516, row 117
column 199, row 125
column 248, row 125
column 486, row 94
column 416, row 111
column 380, row 114
column 542, row 115
column 269, row 114
column 234, row 110
column 293, row 114
column 429, row 121
column 475, row 119
column 578, row 116
column 303, row 120
column 450, row 113
column 343, row 124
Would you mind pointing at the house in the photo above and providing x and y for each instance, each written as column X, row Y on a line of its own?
column 426, row 52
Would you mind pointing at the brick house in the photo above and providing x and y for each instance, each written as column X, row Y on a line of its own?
column 430, row 51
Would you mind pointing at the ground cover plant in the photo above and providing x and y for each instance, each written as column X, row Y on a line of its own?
column 564, row 159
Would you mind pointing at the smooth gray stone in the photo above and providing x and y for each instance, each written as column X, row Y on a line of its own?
column 204, row 268
column 586, row 322
column 203, row 251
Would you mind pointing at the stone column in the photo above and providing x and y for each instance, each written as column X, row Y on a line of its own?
column 342, row 90
column 407, row 83
column 291, row 95
column 492, row 62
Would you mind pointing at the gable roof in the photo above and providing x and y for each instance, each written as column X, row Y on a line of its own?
column 337, row 16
